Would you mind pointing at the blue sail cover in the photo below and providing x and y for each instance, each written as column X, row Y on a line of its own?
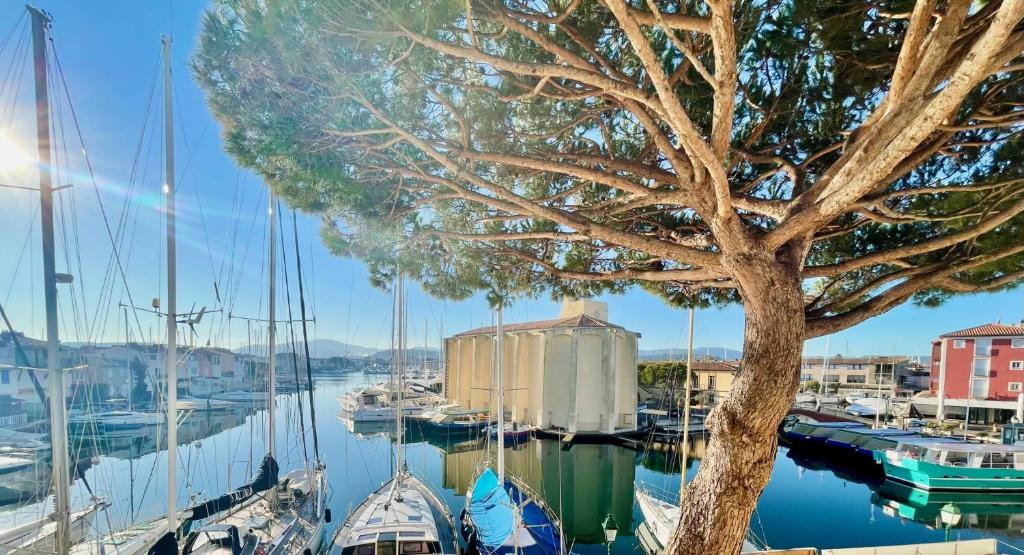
column 493, row 520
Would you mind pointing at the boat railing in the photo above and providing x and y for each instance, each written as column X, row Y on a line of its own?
column 658, row 492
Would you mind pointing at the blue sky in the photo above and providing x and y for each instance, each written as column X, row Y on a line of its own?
column 109, row 52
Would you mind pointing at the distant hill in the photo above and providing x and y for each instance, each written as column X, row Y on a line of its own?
column 698, row 353
column 319, row 348
column 411, row 355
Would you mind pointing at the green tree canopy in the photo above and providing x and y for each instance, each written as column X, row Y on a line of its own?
column 578, row 147
column 822, row 161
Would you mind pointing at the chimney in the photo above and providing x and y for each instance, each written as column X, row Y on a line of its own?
column 576, row 307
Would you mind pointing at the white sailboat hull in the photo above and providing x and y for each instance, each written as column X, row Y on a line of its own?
column 37, row 536
column 660, row 521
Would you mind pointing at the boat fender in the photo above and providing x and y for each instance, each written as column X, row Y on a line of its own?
column 327, row 516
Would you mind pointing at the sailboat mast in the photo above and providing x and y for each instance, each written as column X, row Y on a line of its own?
column 271, row 308
column 171, row 362
column 498, row 345
column 686, row 410
column 824, row 367
column 55, row 373
column 400, row 358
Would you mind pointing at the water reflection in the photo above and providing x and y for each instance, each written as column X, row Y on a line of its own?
column 894, row 505
column 1001, row 514
column 810, row 501
column 582, row 484
column 31, row 483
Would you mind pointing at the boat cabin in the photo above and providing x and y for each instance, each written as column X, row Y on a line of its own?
column 965, row 455
column 463, row 417
column 394, row 527
column 216, row 538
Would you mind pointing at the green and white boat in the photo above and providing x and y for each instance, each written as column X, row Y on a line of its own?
column 935, row 466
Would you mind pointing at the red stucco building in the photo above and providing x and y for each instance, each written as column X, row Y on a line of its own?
column 984, row 364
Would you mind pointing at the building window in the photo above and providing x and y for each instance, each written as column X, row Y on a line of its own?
column 979, row 389
column 1015, row 386
column 711, row 382
column 5, row 376
column 830, row 378
column 982, row 347
column 959, row 343
column 806, row 377
column 856, row 379
column 1017, row 365
column 1017, row 343
column 981, row 367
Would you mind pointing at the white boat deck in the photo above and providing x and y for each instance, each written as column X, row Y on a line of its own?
column 406, row 516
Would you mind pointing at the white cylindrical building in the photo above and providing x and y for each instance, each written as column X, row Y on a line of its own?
column 575, row 373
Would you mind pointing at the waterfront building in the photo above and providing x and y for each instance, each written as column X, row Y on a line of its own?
column 110, row 374
column 16, row 380
column 209, row 370
column 846, row 374
column 914, row 377
column 980, row 367
column 577, row 372
column 711, row 380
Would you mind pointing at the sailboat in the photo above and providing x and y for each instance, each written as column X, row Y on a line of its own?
column 290, row 517
column 57, row 530
column 503, row 515
column 403, row 516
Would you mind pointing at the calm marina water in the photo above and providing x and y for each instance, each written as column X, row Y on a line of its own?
column 805, row 504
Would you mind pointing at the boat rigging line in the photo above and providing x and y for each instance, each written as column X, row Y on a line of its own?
column 305, row 339
column 291, row 330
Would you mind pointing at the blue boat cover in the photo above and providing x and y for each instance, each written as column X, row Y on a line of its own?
column 493, row 520
column 490, row 509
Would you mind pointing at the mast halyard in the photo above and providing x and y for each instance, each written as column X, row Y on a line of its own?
column 271, row 325
column 171, row 361
column 686, row 410
column 55, row 373
column 498, row 344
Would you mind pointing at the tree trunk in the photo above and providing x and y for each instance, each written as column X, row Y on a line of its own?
column 737, row 463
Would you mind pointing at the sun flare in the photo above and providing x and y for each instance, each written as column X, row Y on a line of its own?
column 12, row 157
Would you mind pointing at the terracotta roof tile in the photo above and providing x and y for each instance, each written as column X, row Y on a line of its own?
column 988, row 330
column 715, row 366
column 581, row 321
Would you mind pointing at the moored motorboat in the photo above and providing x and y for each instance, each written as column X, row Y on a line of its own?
column 114, row 421
column 204, row 405
column 257, row 398
column 459, row 421
column 864, row 441
column 515, row 433
column 815, row 433
column 943, row 466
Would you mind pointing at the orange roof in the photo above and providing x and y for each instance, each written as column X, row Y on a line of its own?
column 715, row 366
column 988, row 330
column 581, row 321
